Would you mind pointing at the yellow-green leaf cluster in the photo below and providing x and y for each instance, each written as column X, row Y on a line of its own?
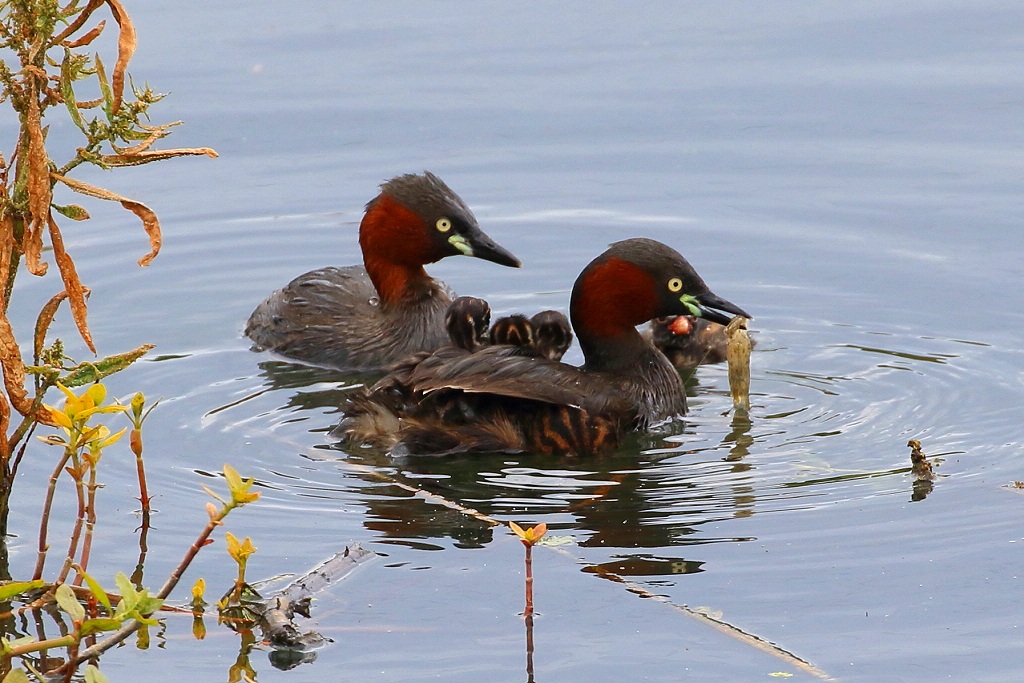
column 239, row 550
column 531, row 535
column 73, row 417
column 239, row 488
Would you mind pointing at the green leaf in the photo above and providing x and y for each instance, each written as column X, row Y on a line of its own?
column 67, row 91
column 93, row 372
column 148, row 621
column 72, row 211
column 68, row 602
column 108, row 95
column 129, row 596
column 93, row 675
column 240, row 494
column 48, row 373
column 97, row 590
column 9, row 590
column 148, row 604
column 16, row 676
column 90, row 626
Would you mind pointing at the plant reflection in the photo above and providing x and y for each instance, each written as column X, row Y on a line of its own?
column 528, row 622
column 242, row 670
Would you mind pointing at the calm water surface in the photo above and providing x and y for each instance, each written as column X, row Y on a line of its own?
column 849, row 175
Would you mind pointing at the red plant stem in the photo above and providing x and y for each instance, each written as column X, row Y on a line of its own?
column 72, row 652
column 528, row 612
column 76, row 533
column 90, row 525
column 44, row 523
column 136, row 443
column 28, row 424
column 21, row 451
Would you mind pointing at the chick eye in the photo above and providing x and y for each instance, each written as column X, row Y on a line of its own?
column 675, row 284
column 443, row 225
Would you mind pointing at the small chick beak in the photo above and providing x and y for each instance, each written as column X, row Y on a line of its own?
column 477, row 243
column 709, row 301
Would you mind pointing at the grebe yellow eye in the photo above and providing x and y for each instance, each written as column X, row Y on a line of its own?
column 674, row 285
column 443, row 224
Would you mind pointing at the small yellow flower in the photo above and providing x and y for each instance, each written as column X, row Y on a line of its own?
column 529, row 536
column 239, row 488
column 138, row 403
column 239, row 550
column 78, row 409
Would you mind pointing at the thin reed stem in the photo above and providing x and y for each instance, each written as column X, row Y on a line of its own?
column 45, row 521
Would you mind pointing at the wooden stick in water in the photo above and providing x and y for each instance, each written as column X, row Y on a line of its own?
column 738, row 355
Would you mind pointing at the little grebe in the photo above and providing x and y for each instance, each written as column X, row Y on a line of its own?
column 366, row 317
column 495, row 399
column 552, row 334
column 467, row 321
column 514, row 330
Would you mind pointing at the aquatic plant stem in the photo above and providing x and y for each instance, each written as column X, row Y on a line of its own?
column 76, row 532
column 135, row 440
column 72, row 652
column 90, row 525
column 528, row 611
column 44, row 522
column 131, row 627
column 39, row 645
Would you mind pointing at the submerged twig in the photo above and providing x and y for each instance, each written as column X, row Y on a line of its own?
column 728, row 629
column 277, row 615
column 738, row 355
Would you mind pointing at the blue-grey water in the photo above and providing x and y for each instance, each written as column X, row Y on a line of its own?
column 851, row 174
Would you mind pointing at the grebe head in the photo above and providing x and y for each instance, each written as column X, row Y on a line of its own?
column 418, row 219
column 634, row 281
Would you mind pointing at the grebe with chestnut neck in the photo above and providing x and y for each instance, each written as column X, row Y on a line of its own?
column 367, row 317
column 495, row 399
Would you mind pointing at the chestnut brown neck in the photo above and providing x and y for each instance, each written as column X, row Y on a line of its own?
column 395, row 246
column 609, row 300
